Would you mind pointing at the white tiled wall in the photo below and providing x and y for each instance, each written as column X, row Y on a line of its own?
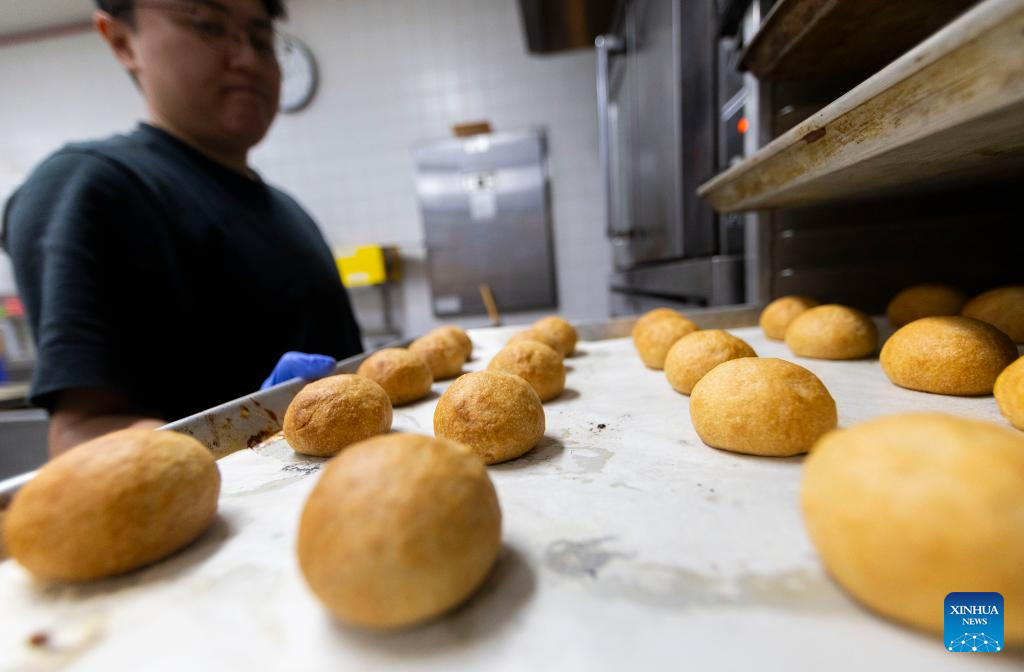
column 53, row 91
column 393, row 73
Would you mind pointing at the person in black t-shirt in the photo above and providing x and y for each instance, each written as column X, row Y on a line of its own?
column 160, row 274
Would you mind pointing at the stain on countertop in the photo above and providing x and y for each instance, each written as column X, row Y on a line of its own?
column 580, row 558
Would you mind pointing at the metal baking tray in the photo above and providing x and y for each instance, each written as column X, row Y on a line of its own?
column 626, row 541
column 254, row 418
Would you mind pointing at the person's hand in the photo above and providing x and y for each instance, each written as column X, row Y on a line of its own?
column 299, row 365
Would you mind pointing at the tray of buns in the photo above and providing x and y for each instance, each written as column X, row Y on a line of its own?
column 625, row 541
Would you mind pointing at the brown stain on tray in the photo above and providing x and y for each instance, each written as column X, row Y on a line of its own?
column 270, row 414
column 261, row 436
column 814, row 136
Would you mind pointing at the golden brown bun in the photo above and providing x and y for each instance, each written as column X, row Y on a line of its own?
column 902, row 508
column 947, row 355
column 1003, row 308
column 403, row 375
column 113, row 504
column 832, row 332
column 653, row 316
column 442, row 352
column 695, row 354
column 496, row 414
column 461, row 336
column 761, row 406
column 657, row 335
column 534, row 334
column 560, row 331
column 1009, row 391
column 535, row 363
column 331, row 413
column 777, row 315
column 926, row 300
column 399, row 529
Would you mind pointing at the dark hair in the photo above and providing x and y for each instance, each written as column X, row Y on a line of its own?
column 275, row 8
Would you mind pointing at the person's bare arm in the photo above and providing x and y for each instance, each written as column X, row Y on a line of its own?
column 85, row 413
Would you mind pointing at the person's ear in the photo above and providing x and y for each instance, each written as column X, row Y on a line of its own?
column 119, row 37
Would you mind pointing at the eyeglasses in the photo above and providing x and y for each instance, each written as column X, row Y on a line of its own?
column 214, row 25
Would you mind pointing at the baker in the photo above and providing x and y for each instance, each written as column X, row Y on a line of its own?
column 161, row 275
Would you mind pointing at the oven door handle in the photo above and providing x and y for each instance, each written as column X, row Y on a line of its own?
column 606, row 46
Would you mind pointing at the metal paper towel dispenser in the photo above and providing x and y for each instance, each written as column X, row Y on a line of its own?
column 487, row 221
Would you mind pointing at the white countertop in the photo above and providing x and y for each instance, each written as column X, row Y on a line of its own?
column 628, row 543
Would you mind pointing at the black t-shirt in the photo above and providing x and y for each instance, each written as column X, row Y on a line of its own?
column 151, row 269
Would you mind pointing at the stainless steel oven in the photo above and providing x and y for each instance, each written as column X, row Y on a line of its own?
column 658, row 112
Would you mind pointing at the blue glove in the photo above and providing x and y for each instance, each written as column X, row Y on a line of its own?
column 299, row 365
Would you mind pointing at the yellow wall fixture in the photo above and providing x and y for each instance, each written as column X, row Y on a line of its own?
column 363, row 267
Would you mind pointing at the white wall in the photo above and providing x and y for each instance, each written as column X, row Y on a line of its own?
column 53, row 91
column 393, row 73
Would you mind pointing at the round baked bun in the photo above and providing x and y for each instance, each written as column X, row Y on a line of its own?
column 928, row 300
column 656, row 336
column 534, row 334
column 560, row 331
column 907, row 508
column 653, row 316
column 113, row 504
column 461, row 336
column 761, row 406
column 331, row 413
column 832, row 332
column 947, row 355
column 443, row 353
column 777, row 315
column 1009, row 393
column 498, row 415
column 404, row 376
column 1003, row 308
column 695, row 354
column 399, row 529
column 534, row 362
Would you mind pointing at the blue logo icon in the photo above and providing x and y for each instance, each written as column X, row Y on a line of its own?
column 974, row 622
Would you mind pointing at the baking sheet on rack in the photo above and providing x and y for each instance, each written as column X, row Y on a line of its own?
column 627, row 543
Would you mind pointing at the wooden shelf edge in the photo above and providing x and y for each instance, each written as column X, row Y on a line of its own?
column 752, row 58
column 946, row 82
column 801, row 39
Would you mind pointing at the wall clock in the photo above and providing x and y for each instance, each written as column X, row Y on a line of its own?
column 299, row 75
